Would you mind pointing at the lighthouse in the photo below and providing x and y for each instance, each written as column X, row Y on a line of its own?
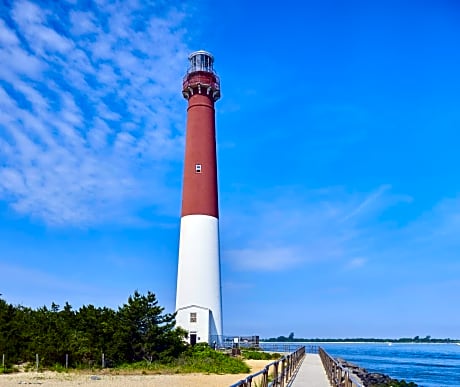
column 198, row 295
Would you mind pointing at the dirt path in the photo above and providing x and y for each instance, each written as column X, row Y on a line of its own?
column 71, row 379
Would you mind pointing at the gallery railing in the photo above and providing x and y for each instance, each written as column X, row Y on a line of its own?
column 278, row 373
column 338, row 375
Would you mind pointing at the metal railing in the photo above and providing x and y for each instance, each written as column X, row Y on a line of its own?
column 287, row 347
column 225, row 341
column 338, row 375
column 276, row 374
column 209, row 79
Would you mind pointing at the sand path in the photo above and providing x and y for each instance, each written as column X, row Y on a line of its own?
column 72, row 379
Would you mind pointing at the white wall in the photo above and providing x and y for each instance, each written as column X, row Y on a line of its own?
column 198, row 275
column 200, row 327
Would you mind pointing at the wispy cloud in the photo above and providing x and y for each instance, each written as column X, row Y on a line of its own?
column 89, row 108
column 367, row 202
column 292, row 228
column 265, row 258
column 356, row 263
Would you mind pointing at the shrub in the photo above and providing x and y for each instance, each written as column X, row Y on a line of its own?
column 259, row 355
column 201, row 358
column 59, row 368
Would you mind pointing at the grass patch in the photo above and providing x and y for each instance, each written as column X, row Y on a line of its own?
column 143, row 367
column 259, row 355
column 8, row 370
column 59, row 368
column 199, row 358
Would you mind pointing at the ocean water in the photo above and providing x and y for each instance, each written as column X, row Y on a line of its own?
column 428, row 365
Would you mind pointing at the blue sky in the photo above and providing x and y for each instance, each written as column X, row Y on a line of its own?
column 337, row 151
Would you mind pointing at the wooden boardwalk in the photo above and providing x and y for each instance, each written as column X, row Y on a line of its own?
column 311, row 373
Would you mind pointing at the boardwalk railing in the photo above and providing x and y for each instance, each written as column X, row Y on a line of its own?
column 338, row 375
column 276, row 374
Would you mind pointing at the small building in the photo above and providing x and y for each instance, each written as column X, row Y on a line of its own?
column 197, row 321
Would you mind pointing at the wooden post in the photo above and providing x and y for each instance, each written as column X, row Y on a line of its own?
column 103, row 361
column 275, row 373
column 36, row 360
column 281, row 382
column 265, row 377
column 3, row 361
column 66, row 360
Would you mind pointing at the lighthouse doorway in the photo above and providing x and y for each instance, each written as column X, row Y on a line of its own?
column 192, row 338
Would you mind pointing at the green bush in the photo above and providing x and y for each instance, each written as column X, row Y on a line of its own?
column 8, row 370
column 201, row 358
column 59, row 368
column 144, row 366
column 259, row 355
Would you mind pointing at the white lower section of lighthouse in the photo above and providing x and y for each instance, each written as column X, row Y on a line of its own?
column 198, row 297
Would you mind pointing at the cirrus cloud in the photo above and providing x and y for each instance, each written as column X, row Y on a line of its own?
column 89, row 108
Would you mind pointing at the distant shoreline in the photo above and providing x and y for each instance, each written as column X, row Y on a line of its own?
column 345, row 342
column 354, row 342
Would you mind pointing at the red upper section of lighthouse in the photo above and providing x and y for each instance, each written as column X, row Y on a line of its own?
column 201, row 88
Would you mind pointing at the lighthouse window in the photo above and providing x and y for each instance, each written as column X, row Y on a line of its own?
column 193, row 317
column 197, row 168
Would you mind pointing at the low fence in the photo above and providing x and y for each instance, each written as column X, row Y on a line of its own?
column 91, row 363
column 276, row 374
column 227, row 342
column 338, row 375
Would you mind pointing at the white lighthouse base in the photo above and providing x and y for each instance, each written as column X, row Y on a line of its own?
column 198, row 326
column 198, row 297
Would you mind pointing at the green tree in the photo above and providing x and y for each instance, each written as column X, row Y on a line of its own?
column 139, row 330
column 145, row 333
column 11, row 343
column 92, row 335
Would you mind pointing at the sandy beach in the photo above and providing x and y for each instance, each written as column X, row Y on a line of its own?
column 49, row 378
